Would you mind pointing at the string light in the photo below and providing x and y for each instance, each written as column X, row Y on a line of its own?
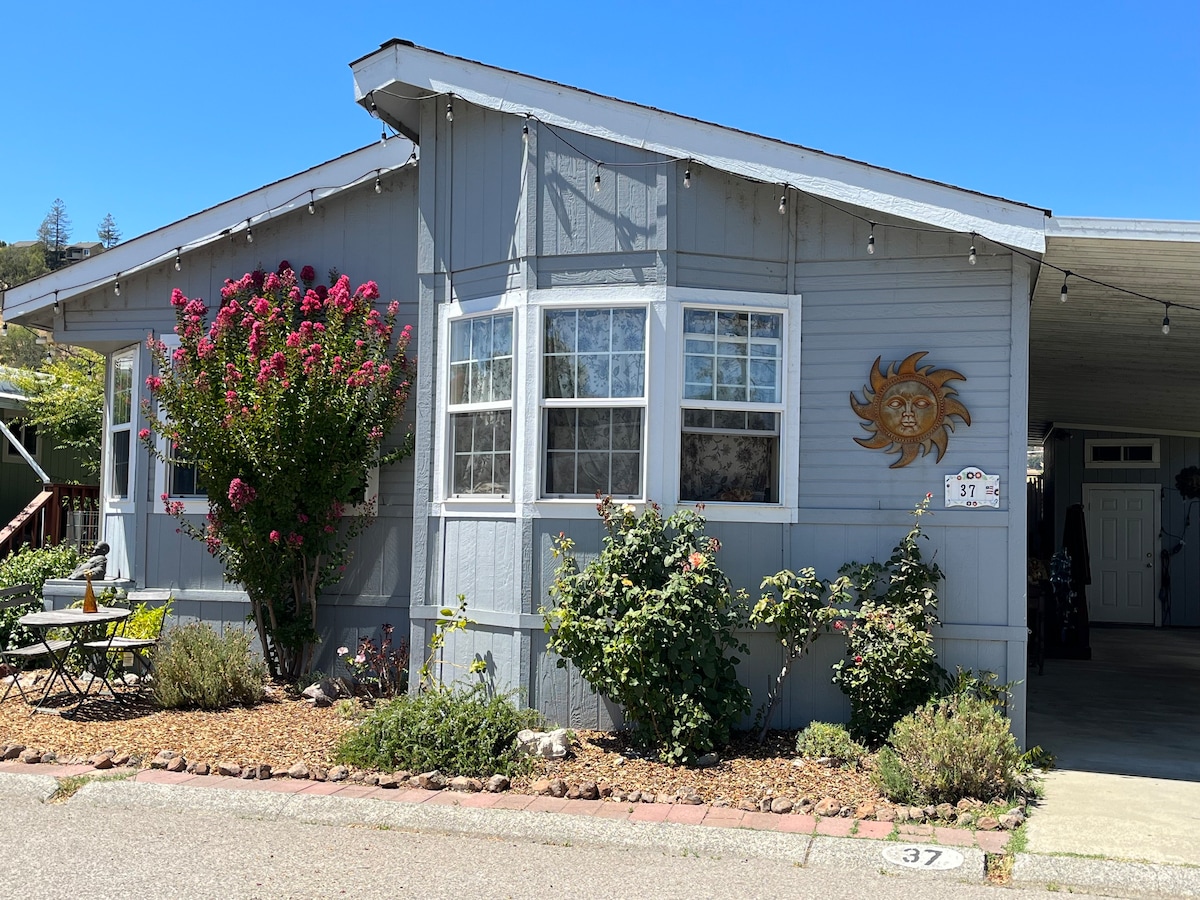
column 249, row 233
column 1062, row 295
column 596, row 180
column 783, row 203
column 55, row 303
column 116, row 290
column 374, row 108
column 687, row 177
column 972, row 258
column 312, row 207
column 871, row 240
column 1166, row 318
column 383, row 133
column 525, row 131
column 450, row 111
column 178, row 259
column 378, row 183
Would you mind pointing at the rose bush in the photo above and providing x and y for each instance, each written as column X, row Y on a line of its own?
column 282, row 401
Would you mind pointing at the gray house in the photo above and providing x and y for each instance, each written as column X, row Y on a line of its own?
column 609, row 297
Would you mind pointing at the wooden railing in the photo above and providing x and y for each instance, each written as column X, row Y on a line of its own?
column 44, row 519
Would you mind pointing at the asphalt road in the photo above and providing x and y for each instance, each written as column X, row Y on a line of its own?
column 107, row 850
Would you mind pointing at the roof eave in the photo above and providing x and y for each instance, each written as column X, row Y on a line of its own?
column 415, row 71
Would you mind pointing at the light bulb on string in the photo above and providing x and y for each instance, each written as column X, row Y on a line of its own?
column 249, row 233
column 117, row 285
column 178, row 259
column 1166, row 326
column 55, row 304
column 378, row 183
column 374, row 108
column 1062, row 295
column 871, row 240
column 687, row 177
column 312, row 207
column 783, row 204
column 525, row 132
column 450, row 112
column 383, row 135
column 596, row 180
column 972, row 258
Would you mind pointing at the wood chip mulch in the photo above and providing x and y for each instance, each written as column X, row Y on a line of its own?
column 282, row 730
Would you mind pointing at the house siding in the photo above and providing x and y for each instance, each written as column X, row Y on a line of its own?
column 725, row 233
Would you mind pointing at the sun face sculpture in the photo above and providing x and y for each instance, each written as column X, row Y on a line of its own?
column 908, row 409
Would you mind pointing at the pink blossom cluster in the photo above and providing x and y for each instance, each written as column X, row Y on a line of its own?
column 241, row 494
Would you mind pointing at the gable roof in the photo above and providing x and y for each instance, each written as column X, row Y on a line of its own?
column 400, row 74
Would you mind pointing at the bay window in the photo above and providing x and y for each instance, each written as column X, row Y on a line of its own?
column 480, row 404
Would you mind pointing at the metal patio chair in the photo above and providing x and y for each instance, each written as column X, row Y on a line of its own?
column 18, row 658
column 112, row 649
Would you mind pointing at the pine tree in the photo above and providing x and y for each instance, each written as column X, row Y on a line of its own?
column 108, row 232
column 55, row 233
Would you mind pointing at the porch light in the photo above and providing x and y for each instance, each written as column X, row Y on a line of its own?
column 871, row 240
column 783, row 204
column 378, row 183
column 374, row 108
column 383, row 134
column 249, row 233
column 1166, row 319
column 116, row 290
column 596, row 180
column 312, row 208
column 56, row 310
column 972, row 258
column 1062, row 295
column 450, row 112
column 525, row 132
column 687, row 177
column 178, row 260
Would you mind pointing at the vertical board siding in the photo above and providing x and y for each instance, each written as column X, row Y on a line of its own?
column 1067, row 474
column 487, row 156
column 480, row 557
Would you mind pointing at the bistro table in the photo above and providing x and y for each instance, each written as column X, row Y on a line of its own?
column 76, row 623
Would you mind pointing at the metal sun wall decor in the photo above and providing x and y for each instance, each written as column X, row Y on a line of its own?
column 908, row 409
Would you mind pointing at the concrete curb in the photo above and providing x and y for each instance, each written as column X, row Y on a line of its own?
column 1155, row 879
column 27, row 787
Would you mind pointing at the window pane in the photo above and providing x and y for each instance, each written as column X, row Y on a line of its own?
column 766, row 325
column 459, row 374
column 502, row 335
column 460, row 340
column 183, row 480
column 481, row 359
column 595, row 353
column 735, row 367
column 590, row 450
column 480, row 452
column 481, row 338
column 122, row 409
column 732, row 468
column 732, row 324
column 699, row 321
column 120, row 451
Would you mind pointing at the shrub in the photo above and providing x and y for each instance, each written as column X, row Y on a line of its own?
column 823, row 740
column 29, row 566
column 890, row 667
column 892, row 778
column 951, row 748
column 459, row 731
column 195, row 667
column 649, row 623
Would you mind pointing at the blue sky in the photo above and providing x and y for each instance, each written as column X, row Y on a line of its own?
column 153, row 111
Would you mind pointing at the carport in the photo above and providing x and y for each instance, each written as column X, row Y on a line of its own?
column 1116, row 402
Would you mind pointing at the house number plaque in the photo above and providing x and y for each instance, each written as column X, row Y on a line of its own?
column 972, row 487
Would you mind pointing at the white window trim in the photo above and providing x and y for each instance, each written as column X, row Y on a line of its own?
column 788, row 407
column 1153, row 463
column 570, row 506
column 484, row 505
column 113, row 503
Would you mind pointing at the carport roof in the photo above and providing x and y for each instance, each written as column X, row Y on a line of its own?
column 1101, row 358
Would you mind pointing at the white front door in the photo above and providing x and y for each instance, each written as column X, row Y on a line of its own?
column 1122, row 532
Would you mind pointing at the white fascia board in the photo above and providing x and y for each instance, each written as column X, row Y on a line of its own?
column 679, row 137
column 1123, row 229
column 203, row 228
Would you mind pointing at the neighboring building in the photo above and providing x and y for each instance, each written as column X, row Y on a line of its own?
column 666, row 310
column 81, row 251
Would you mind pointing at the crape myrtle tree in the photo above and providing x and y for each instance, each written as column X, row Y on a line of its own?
column 282, row 401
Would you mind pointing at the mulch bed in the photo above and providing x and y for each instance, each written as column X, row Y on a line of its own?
column 282, row 731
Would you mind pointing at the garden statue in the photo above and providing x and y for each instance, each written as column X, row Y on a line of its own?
column 94, row 566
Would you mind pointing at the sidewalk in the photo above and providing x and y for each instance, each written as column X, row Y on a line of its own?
column 808, row 841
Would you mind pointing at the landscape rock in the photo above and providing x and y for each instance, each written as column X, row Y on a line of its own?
column 101, row 761
column 14, row 751
column 781, row 806
column 249, row 772
column 229, row 769
column 319, row 774
column 178, row 764
column 707, row 761
column 402, row 775
column 865, row 810
column 198, row 768
column 161, row 759
column 388, row 782
column 634, row 796
column 370, row 779
column 945, row 811
column 322, row 693
column 31, row 756
column 558, row 788
column 299, row 771
column 120, row 759
column 589, row 790
column 497, row 784
column 1011, row 821
column 605, row 789
column 885, row 814
column 647, row 797
column 573, row 792
column 547, row 745
column 747, row 805
column 49, row 756
column 828, row 807
column 988, row 823
column 432, row 781
column 541, row 786
column 721, row 803
column 338, row 773
column 690, row 797
column 465, row 785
